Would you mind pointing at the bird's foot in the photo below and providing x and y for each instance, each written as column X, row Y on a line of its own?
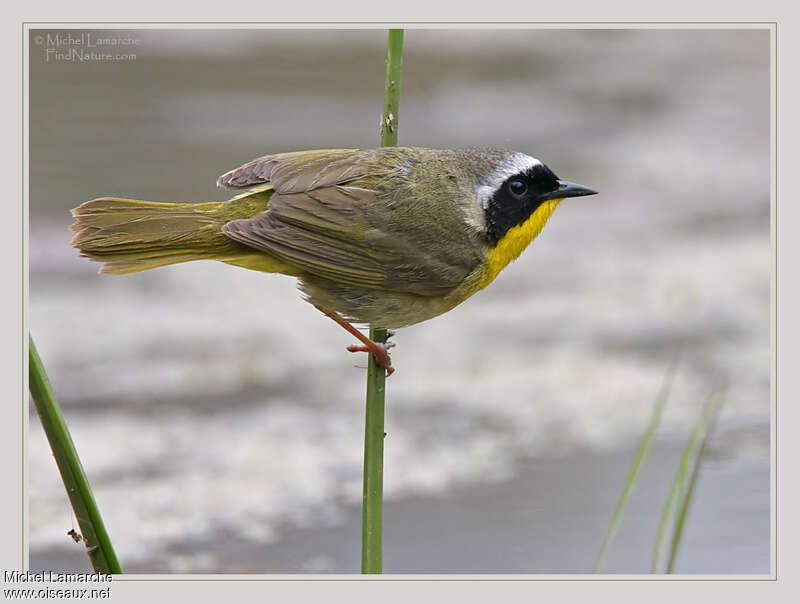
column 379, row 350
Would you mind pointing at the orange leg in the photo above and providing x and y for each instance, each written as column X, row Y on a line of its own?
column 378, row 349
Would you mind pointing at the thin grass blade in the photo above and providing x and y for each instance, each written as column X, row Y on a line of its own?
column 678, row 486
column 642, row 452
column 707, row 420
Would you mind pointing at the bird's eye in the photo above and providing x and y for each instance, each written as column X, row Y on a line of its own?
column 517, row 187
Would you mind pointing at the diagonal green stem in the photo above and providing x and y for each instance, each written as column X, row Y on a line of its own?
column 679, row 482
column 98, row 544
column 642, row 452
column 372, row 509
column 708, row 421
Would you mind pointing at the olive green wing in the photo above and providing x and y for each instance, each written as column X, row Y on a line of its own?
column 300, row 170
column 332, row 232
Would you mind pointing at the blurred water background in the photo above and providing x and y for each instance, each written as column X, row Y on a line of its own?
column 219, row 417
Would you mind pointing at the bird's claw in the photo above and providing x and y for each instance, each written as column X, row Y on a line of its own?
column 380, row 351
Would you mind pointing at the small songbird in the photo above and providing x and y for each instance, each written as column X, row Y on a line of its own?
column 389, row 237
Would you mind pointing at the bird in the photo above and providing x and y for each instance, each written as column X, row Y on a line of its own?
column 389, row 237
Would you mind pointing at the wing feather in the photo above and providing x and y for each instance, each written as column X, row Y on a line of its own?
column 327, row 232
column 326, row 221
column 298, row 171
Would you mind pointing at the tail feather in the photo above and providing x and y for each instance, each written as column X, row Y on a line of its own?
column 129, row 236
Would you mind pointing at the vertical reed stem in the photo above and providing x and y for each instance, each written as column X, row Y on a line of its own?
column 372, row 510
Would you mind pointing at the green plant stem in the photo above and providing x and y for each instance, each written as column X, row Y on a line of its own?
column 679, row 482
column 707, row 421
column 391, row 97
column 372, row 507
column 98, row 545
column 642, row 452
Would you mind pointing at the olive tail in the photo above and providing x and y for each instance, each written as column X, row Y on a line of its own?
column 129, row 236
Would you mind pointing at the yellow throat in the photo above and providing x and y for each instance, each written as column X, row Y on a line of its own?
column 517, row 239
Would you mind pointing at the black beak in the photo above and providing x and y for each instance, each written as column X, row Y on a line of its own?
column 567, row 189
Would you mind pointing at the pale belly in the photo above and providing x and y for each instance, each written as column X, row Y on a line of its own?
column 385, row 309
